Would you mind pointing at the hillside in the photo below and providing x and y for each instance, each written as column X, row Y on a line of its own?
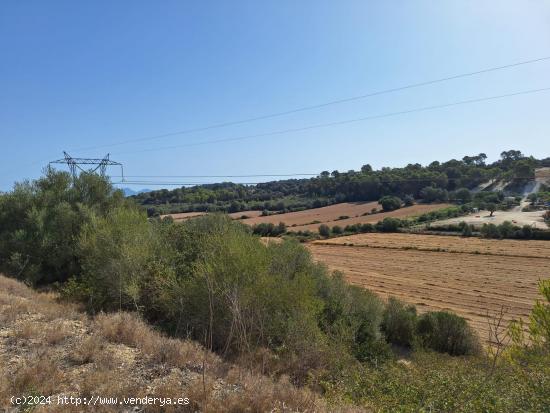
column 438, row 181
column 48, row 348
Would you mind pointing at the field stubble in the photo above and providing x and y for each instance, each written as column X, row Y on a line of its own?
column 472, row 277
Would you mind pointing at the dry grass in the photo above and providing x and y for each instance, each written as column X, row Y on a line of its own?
column 37, row 374
column 443, row 273
column 126, row 328
column 49, row 348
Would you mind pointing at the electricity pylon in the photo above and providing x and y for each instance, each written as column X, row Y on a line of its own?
column 96, row 165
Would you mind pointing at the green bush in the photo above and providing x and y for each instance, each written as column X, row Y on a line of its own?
column 490, row 231
column 389, row 224
column 399, row 322
column 337, row 230
column 446, row 332
column 324, row 230
column 390, row 203
column 368, row 227
column 41, row 221
column 115, row 251
column 352, row 317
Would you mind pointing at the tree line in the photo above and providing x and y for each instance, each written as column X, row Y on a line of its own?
column 431, row 183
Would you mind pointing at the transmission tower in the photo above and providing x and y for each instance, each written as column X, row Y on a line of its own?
column 81, row 164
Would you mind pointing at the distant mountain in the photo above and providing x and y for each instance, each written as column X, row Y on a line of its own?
column 131, row 192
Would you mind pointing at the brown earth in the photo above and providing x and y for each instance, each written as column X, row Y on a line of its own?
column 468, row 283
column 310, row 219
column 324, row 214
column 406, row 212
column 183, row 216
column 514, row 248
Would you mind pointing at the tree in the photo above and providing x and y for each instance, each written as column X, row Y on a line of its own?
column 390, row 203
column 432, row 194
column 523, row 169
column 491, row 207
column 408, row 200
column 337, row 230
column 463, row 195
column 366, row 168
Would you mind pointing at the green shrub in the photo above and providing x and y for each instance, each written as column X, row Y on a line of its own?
column 337, row 230
column 352, row 317
column 368, row 227
column 389, row 224
column 390, row 203
column 115, row 251
column 399, row 322
column 490, row 231
column 446, row 332
column 324, row 230
column 506, row 229
column 41, row 221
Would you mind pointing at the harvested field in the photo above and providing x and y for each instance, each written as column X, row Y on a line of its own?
column 310, row 219
column 249, row 214
column 183, row 216
column 324, row 214
column 468, row 283
column 513, row 248
column 406, row 212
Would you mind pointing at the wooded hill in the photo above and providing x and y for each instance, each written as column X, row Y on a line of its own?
column 434, row 182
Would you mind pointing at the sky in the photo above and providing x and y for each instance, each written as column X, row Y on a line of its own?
column 92, row 78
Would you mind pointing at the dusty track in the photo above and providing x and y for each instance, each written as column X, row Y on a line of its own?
column 470, row 284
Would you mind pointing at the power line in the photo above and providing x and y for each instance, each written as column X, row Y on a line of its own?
column 319, row 105
column 381, row 181
column 342, row 122
column 210, row 176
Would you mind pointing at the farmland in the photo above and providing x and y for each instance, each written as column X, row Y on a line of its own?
column 182, row 216
column 401, row 213
column 470, row 277
column 346, row 213
column 342, row 214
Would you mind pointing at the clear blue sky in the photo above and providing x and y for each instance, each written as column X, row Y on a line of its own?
column 80, row 74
